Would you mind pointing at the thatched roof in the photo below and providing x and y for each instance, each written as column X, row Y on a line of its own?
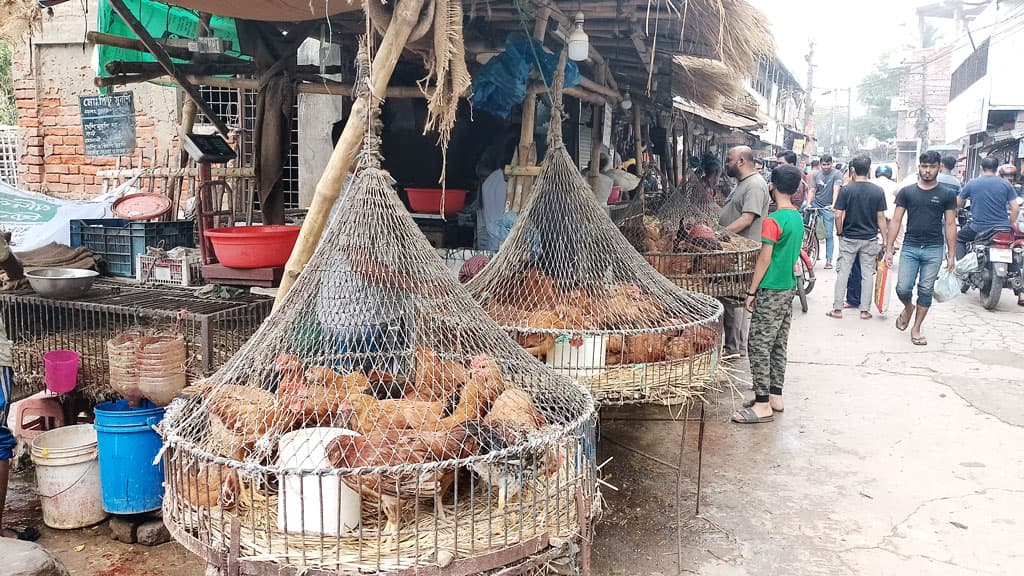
column 19, row 18
column 703, row 81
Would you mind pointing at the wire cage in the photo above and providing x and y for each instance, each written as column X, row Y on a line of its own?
column 379, row 422
column 213, row 329
column 684, row 242
column 568, row 286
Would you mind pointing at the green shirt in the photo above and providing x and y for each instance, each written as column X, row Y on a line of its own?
column 784, row 230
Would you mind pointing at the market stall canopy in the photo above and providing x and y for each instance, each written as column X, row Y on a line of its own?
column 720, row 117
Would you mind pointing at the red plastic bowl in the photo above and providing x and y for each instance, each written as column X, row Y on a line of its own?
column 253, row 246
column 428, row 200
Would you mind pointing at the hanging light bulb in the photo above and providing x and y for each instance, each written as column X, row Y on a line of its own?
column 579, row 42
column 626, row 103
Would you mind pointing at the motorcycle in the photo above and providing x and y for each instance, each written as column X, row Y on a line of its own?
column 1000, row 259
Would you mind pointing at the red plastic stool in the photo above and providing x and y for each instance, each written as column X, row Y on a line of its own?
column 34, row 415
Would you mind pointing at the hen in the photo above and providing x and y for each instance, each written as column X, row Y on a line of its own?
column 436, row 379
column 317, row 394
column 483, row 386
column 511, row 421
column 366, row 414
column 397, row 448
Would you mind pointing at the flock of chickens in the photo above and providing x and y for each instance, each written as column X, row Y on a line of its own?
column 447, row 411
column 540, row 310
column 694, row 248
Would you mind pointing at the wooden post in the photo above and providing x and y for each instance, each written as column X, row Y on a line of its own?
column 158, row 52
column 406, row 15
column 596, row 137
column 519, row 186
column 638, row 140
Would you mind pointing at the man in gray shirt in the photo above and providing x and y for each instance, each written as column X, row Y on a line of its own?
column 743, row 214
column 946, row 176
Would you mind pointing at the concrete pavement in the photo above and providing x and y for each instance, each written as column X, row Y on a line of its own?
column 890, row 458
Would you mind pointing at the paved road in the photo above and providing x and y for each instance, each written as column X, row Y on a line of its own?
column 890, row 459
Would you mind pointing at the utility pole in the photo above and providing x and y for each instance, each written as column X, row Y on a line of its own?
column 832, row 123
column 808, row 99
column 921, row 125
column 849, row 107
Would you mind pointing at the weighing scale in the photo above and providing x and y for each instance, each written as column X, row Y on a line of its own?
column 212, row 195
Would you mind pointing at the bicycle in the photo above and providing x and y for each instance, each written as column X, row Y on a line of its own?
column 811, row 243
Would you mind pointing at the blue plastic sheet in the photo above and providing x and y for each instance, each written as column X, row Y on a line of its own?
column 501, row 83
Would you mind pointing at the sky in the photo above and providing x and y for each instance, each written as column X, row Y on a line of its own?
column 849, row 36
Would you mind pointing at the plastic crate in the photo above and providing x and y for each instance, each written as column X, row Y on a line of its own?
column 120, row 242
column 186, row 270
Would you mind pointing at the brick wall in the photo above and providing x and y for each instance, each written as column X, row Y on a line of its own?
column 50, row 74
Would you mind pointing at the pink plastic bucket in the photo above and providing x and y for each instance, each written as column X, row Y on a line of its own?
column 61, row 369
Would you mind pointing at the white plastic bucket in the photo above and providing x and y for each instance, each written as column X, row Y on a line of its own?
column 581, row 361
column 68, row 477
column 314, row 503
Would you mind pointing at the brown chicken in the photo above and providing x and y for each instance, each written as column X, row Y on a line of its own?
column 483, row 386
column 512, row 420
column 245, row 411
column 317, row 395
column 208, row 485
column 538, row 291
column 367, row 414
column 644, row 348
column 436, row 379
column 630, row 308
column 396, row 448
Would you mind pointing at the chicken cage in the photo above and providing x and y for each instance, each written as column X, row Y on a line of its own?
column 571, row 290
column 379, row 422
column 213, row 329
column 684, row 242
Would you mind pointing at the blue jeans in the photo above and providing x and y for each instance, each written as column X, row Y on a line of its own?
column 919, row 265
column 828, row 220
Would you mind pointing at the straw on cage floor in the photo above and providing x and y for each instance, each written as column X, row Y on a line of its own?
column 546, row 506
column 668, row 382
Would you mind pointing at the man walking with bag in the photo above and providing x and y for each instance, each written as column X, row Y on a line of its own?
column 860, row 218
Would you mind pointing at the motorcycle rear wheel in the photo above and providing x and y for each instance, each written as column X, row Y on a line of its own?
column 989, row 291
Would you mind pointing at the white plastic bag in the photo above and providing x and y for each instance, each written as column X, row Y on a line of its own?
column 967, row 265
column 947, row 286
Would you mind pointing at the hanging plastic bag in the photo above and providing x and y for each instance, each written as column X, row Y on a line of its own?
column 884, row 280
column 947, row 286
column 967, row 265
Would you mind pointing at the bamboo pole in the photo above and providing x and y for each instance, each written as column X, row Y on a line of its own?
column 158, row 52
column 519, row 186
column 406, row 15
column 638, row 140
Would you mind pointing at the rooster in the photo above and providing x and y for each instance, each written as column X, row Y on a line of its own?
column 511, row 422
column 397, row 448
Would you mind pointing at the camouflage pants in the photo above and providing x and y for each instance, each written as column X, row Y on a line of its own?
column 769, row 336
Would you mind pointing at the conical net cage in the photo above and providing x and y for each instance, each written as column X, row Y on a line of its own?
column 571, row 289
column 379, row 420
column 684, row 241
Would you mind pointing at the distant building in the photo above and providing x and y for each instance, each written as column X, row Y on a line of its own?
column 986, row 95
column 780, row 105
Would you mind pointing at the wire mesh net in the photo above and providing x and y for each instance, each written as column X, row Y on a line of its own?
column 379, row 419
column 684, row 241
column 569, row 287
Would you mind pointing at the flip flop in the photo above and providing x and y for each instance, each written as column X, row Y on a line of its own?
column 902, row 328
column 750, row 404
column 866, row 316
column 828, row 266
column 833, row 314
column 919, row 341
column 747, row 416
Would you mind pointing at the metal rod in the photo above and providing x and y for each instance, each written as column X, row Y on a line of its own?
column 642, row 453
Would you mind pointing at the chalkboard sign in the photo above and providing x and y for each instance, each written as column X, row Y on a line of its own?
column 108, row 124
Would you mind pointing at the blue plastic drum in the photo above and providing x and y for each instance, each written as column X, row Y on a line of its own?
column 128, row 444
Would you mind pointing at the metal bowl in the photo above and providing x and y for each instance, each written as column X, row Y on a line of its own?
column 61, row 283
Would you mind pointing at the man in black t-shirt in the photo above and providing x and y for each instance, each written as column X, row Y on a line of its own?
column 930, row 234
column 860, row 218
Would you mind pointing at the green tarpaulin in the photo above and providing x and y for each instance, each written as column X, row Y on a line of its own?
column 162, row 22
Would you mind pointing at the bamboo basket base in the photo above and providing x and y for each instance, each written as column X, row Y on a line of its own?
column 668, row 383
column 546, row 507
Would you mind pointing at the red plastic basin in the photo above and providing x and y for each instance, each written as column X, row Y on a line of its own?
column 253, row 246
column 428, row 200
